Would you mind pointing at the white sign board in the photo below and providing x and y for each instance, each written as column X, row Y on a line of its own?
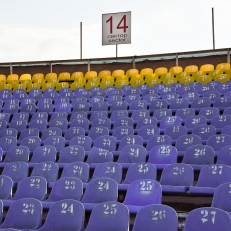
column 116, row 28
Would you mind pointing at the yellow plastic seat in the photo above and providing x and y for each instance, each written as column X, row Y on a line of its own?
column 77, row 84
column 207, row 69
column 146, row 71
column 62, row 85
column 47, row 85
column 196, row 74
column 122, row 78
column 223, row 67
column 91, row 84
column 104, row 73
column 64, row 76
column 118, row 73
column 11, row 78
column 50, row 77
column 26, row 82
column 136, row 81
column 5, row 87
column 223, row 78
column 55, row 81
column 107, row 82
column 13, row 82
column 2, row 78
column 175, row 71
column 40, row 81
column 161, row 72
column 19, row 86
column 169, row 81
column 91, row 74
column 186, row 80
column 121, row 83
column 152, row 80
column 204, row 79
column 76, row 75
column 132, row 72
column 191, row 69
column 25, row 77
column 33, row 86
column 37, row 77
column 180, row 75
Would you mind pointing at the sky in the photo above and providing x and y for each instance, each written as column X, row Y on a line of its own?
column 37, row 30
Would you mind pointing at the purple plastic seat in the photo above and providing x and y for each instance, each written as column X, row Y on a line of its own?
column 190, row 96
column 105, row 142
column 224, row 156
column 83, row 141
column 129, row 90
column 98, row 155
column 210, row 177
column 131, row 98
column 204, row 131
column 98, row 114
column 20, row 116
column 194, row 121
column 10, row 108
column 79, row 99
column 73, row 132
column 141, row 193
column 159, row 114
column 67, row 94
column 146, row 121
column 35, row 94
column 204, row 89
column 24, row 214
column 207, row 218
column 5, row 116
column 3, row 124
column 185, row 141
column 138, row 105
column 6, row 185
column 81, row 92
column 148, row 131
column 96, row 99
column 184, row 113
column 122, row 131
column 201, row 102
column 221, row 197
column 53, row 131
column 156, row 217
column 105, row 216
column 222, row 102
column 60, row 123
column 113, row 98
column 17, row 153
column 220, row 121
column 5, row 94
column 28, row 132
column 123, row 121
column 158, row 140
column 19, row 124
column 32, row 142
column 209, row 113
column 227, row 111
column 177, row 178
column 150, row 97
column 81, row 106
column 116, row 91
column 118, row 114
column 82, row 123
column 178, row 104
column 7, row 142
column 218, row 141
column 162, row 155
column 40, row 124
column 198, row 156
column 132, row 154
column 43, row 101
column 138, row 171
column 158, row 104
column 99, row 106
column 212, row 95
column 137, row 115
column 63, row 107
column 57, row 141
column 51, row 93
column 130, row 139
column 103, row 121
column 169, row 121
column 118, row 106
column 39, row 116
column 28, row 108
column 96, row 132
column 103, row 189
column 48, row 107
column 170, row 97
column 110, row 170
column 8, row 132
column 78, row 170
column 223, row 88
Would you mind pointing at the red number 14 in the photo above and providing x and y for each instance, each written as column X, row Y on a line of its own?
column 122, row 24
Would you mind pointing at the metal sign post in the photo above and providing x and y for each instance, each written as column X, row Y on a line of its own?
column 213, row 29
column 81, row 46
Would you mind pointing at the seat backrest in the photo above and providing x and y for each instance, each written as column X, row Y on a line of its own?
column 158, row 140
column 118, row 106
column 7, row 142
column 138, row 105
column 40, row 115
column 132, row 154
column 199, row 155
column 109, row 170
column 143, row 192
column 6, row 186
column 158, row 104
column 130, row 139
column 148, row 131
column 83, row 123
column 146, row 121
column 73, row 132
column 59, row 123
column 48, row 170
column 159, row 114
column 8, row 132
column 32, row 187
column 32, row 142
column 103, row 121
column 19, row 124
column 222, row 102
column 209, row 112
column 139, row 171
column 44, row 153
column 179, row 103
column 71, row 153
column 204, row 131
column 219, row 141
column 221, row 121
column 156, row 217
column 178, row 174
column 207, row 218
column 122, row 131
column 57, row 141
column 194, row 121
column 83, row 141
column 98, row 155
column 66, row 188
column 105, row 142
column 106, row 215
column 51, row 131
column 29, row 132
column 185, row 141
column 123, row 121
column 170, row 121
column 17, row 153
column 40, row 124
column 24, row 213
column 96, row 132
column 224, row 156
column 184, row 113
column 78, row 170
column 58, row 115
column 117, row 114
column 214, row 175
column 81, row 106
column 137, row 115
column 201, row 102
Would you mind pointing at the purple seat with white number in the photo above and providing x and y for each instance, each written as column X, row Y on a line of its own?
column 28, row 132
column 178, row 104
column 82, row 123
column 201, row 102
column 184, row 113
column 222, row 102
column 190, row 96
column 78, row 115
column 32, row 142
column 204, row 131
column 131, row 98
column 39, row 115
column 7, row 142
column 158, row 140
column 194, row 121
column 148, row 131
column 96, row 132
column 103, row 121
column 81, row 106
column 19, row 124
column 58, row 115
column 17, row 153
column 99, row 106
column 132, row 154
column 40, row 124
column 220, row 121
column 28, row 108
column 5, row 94
column 122, row 131
column 224, row 156
column 177, row 178
column 57, row 141
column 24, row 214
column 170, row 97
column 123, row 121
column 63, row 107
column 211, row 176
column 53, row 131
column 73, row 132
column 78, row 170
column 150, row 97
column 138, row 105
column 103, row 189
column 185, row 141
column 8, row 132
column 79, row 92
column 113, row 98
column 218, row 141
column 59, row 123
column 20, row 116
column 146, row 121
column 118, row 106
column 162, row 155
column 83, row 141
column 137, row 115
column 43, row 101
column 105, row 142
column 118, row 114
column 209, row 112
column 98, row 114
column 138, row 171
column 159, row 114
column 105, row 216
column 169, row 121
column 130, row 139
column 198, row 156
column 48, row 108
column 156, row 217
column 141, row 193
column 5, row 116
column 61, row 101
column 158, row 104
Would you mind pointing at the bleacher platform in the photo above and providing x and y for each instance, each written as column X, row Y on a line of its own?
column 137, row 149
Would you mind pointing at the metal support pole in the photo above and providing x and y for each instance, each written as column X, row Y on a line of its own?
column 213, row 29
column 228, row 56
column 89, row 65
column 11, row 69
column 134, row 62
column 81, row 45
column 51, row 67
column 177, row 60
column 116, row 50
